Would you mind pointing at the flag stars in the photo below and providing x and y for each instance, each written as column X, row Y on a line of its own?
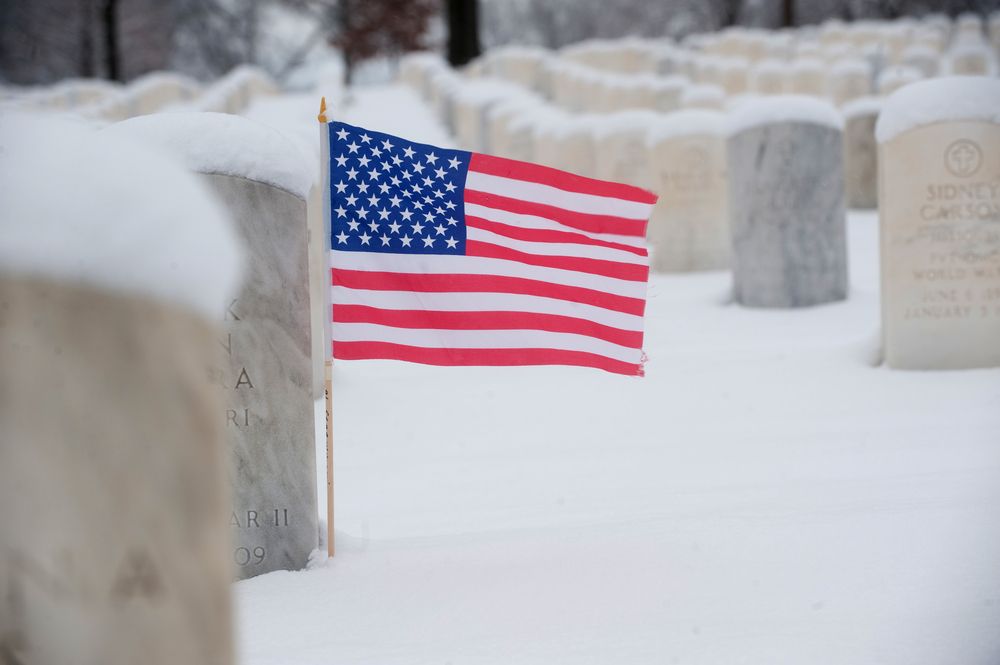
column 402, row 186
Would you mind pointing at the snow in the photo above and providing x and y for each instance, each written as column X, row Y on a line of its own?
column 950, row 98
column 896, row 76
column 765, row 495
column 702, row 93
column 851, row 67
column 100, row 209
column 217, row 143
column 781, row 109
column 862, row 106
column 688, row 122
column 629, row 120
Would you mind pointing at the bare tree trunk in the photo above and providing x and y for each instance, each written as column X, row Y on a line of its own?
column 88, row 68
column 788, row 13
column 112, row 61
column 463, row 31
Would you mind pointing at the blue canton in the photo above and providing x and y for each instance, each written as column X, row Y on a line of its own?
column 394, row 196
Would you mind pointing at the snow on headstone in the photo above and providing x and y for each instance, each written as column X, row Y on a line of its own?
column 112, row 461
column 939, row 204
column 266, row 374
column 689, row 229
column 621, row 147
column 703, row 97
column 498, row 120
column 861, row 152
column 786, row 202
column 893, row 78
column 473, row 100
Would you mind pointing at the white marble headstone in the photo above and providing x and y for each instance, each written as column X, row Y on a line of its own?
column 939, row 174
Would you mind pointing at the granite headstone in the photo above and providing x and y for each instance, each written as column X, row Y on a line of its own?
column 786, row 203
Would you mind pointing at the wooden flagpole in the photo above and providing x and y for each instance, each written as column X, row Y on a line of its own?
column 327, row 322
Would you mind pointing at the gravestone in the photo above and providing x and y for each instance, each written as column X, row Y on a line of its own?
column 923, row 58
column 266, row 373
column 621, row 148
column 113, row 547
column 689, row 230
column 576, row 144
column 786, row 202
column 769, row 77
column 808, row 77
column 939, row 174
column 861, row 152
column 849, row 79
column 971, row 57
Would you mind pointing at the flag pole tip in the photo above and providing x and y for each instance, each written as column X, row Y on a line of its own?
column 322, row 110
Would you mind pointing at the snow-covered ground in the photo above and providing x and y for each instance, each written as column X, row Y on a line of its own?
column 765, row 495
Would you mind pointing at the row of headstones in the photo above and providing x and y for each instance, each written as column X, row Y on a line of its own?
column 762, row 189
column 102, row 100
column 507, row 120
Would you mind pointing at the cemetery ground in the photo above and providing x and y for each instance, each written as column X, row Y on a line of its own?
column 766, row 494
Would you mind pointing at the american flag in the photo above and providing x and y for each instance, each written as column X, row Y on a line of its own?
column 447, row 257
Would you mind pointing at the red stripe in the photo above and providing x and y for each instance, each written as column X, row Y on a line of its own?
column 627, row 271
column 546, row 235
column 544, row 175
column 582, row 221
column 480, row 357
column 427, row 319
column 430, row 283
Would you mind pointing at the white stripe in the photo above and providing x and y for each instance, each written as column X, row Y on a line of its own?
column 482, row 339
column 483, row 302
column 553, row 196
column 544, row 223
column 556, row 248
column 436, row 264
